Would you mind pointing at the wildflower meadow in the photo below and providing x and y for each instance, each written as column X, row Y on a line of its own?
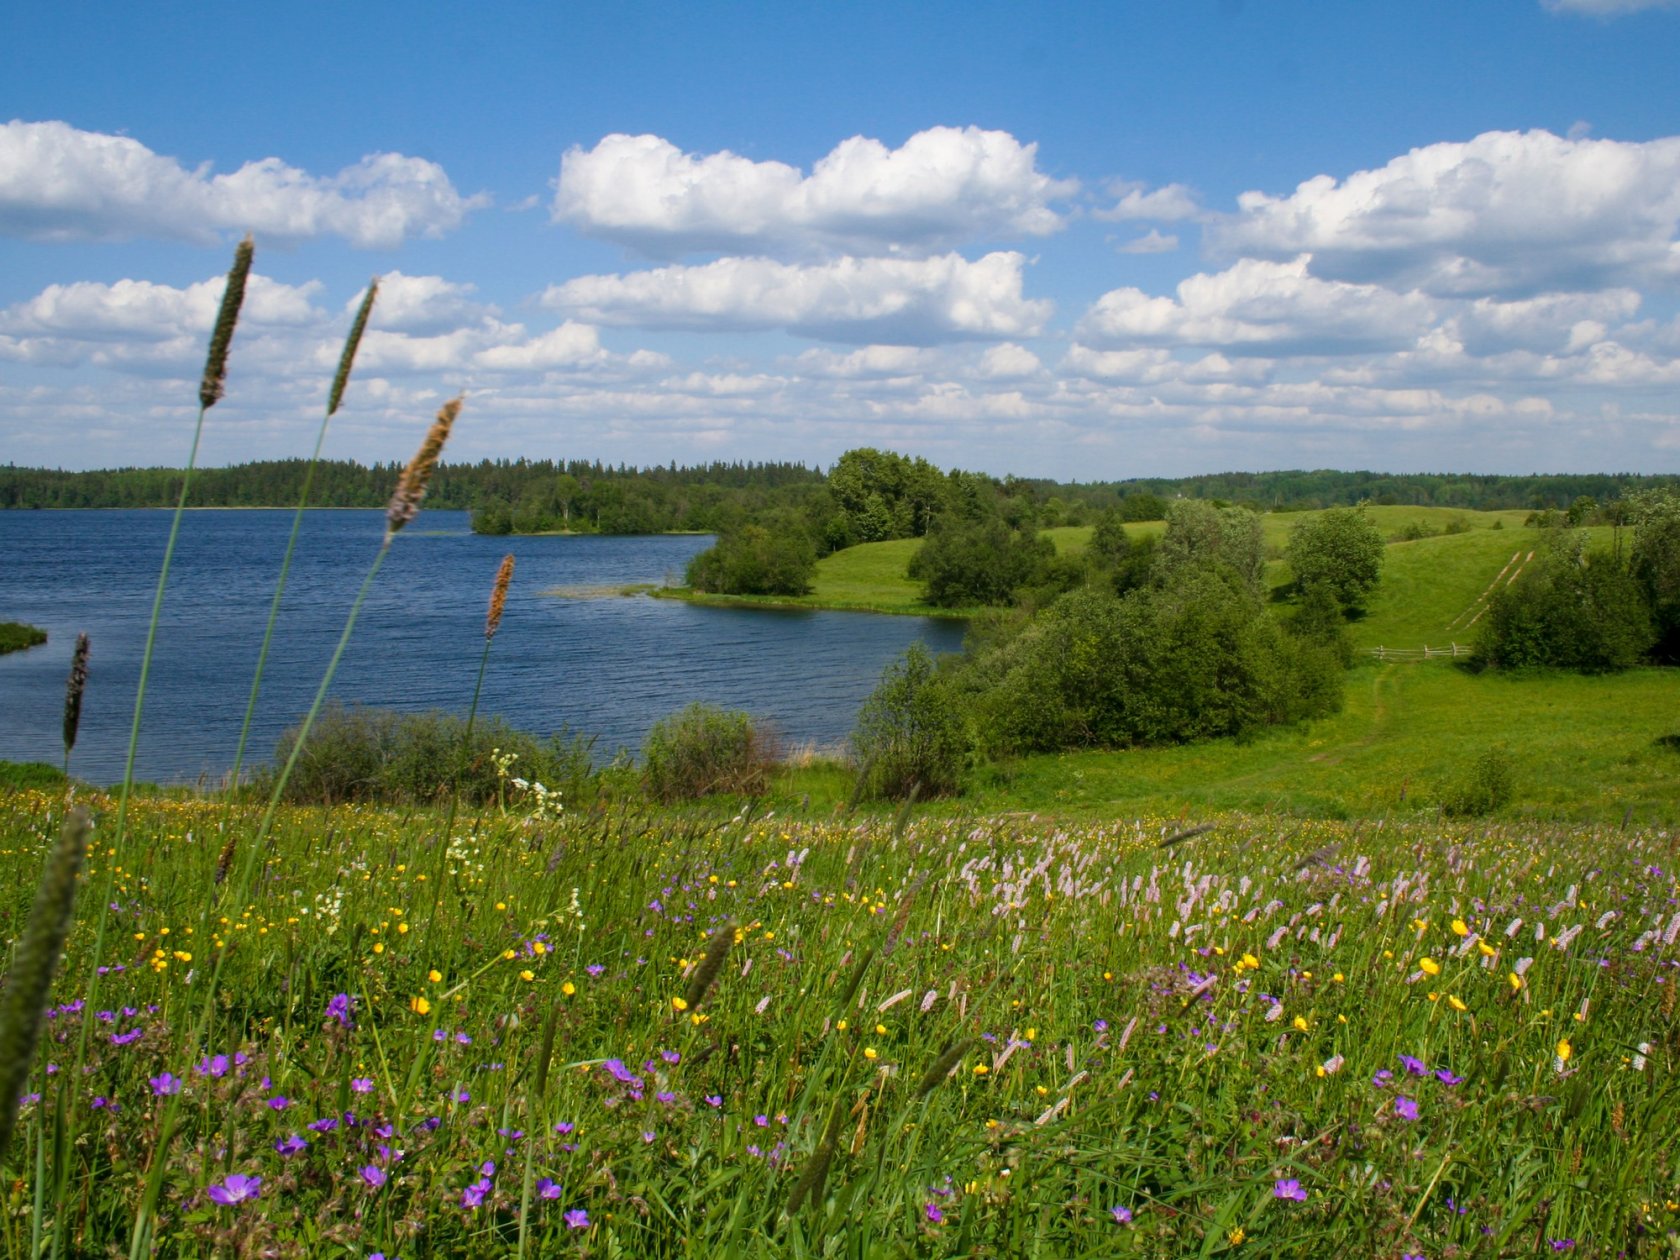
column 234, row 1026
column 625, row 1034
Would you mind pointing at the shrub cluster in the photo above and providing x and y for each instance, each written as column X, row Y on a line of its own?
column 1164, row 644
column 1486, row 785
column 754, row 560
column 15, row 636
column 703, row 749
column 910, row 735
column 359, row 753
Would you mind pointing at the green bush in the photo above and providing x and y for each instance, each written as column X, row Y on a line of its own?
column 702, row 750
column 1338, row 548
column 755, row 561
column 1194, row 658
column 910, row 734
column 1484, row 787
column 360, row 753
column 1582, row 613
column 15, row 636
column 968, row 562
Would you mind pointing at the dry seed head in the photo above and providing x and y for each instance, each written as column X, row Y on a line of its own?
column 411, row 486
column 73, row 689
column 23, row 1002
column 498, row 596
column 215, row 364
column 342, row 377
column 711, row 963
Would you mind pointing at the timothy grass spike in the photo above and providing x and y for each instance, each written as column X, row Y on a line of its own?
column 215, row 364
column 498, row 596
column 411, row 486
column 341, row 378
column 24, row 1002
column 711, row 963
column 73, row 688
column 812, row 1180
column 935, row 1075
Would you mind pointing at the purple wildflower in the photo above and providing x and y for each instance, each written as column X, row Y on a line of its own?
column 577, row 1218
column 166, row 1083
column 548, row 1188
column 236, row 1189
column 1445, row 1076
column 1289, row 1188
column 361, row 1084
column 1405, row 1108
column 933, row 1213
column 474, row 1194
column 1413, row 1066
column 1121, row 1215
column 339, row 1008
column 374, row 1175
column 290, row 1145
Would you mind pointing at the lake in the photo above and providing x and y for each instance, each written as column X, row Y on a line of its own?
column 602, row 665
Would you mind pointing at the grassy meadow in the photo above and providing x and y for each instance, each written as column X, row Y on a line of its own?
column 622, row 1033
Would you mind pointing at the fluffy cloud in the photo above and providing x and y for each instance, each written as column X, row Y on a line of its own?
column 140, row 310
column 1151, row 242
column 61, row 184
column 881, row 300
column 1506, row 213
column 942, row 187
column 1139, row 201
column 1262, row 307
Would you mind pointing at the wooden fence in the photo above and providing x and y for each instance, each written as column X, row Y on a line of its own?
column 1425, row 653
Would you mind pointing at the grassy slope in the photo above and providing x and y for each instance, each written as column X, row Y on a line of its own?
column 1584, row 748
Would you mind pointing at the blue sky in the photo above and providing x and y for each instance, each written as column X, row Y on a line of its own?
column 1086, row 241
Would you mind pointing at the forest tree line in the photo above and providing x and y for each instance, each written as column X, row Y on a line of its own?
column 530, row 496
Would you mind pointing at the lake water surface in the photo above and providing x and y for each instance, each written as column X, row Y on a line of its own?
column 607, row 666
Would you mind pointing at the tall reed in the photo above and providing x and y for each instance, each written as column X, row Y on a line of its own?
column 211, row 387
column 403, row 508
column 74, row 686
column 335, row 396
column 492, row 623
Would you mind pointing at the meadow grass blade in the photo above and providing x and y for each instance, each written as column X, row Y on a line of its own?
column 210, row 392
column 335, row 396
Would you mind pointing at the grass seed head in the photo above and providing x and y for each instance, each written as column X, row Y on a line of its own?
column 498, row 596
column 942, row 1066
column 24, row 1001
column 73, row 688
column 711, row 964
column 341, row 378
column 411, row 486
column 215, row 364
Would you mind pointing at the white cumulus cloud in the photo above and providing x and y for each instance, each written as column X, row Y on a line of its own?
column 58, row 183
column 1507, row 213
column 882, row 300
column 1138, row 201
column 1256, row 306
column 942, row 187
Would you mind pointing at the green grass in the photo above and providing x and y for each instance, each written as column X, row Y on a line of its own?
column 1584, row 749
column 1187, row 1035
column 15, row 636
